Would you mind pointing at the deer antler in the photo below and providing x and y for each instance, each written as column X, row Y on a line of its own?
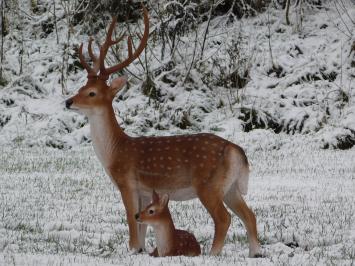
column 99, row 62
column 94, row 59
column 91, row 72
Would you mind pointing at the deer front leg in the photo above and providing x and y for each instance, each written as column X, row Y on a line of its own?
column 142, row 228
column 131, row 203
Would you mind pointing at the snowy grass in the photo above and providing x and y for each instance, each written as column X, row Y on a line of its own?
column 59, row 208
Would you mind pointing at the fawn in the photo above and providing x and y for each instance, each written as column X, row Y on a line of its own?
column 170, row 241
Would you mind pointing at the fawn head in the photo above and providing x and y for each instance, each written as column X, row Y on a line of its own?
column 155, row 211
column 97, row 93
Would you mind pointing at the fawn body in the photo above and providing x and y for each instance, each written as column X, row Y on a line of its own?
column 170, row 241
column 202, row 165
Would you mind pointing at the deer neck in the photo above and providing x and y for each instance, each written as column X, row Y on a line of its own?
column 164, row 235
column 106, row 134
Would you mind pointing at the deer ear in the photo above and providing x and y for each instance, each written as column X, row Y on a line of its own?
column 117, row 84
column 155, row 196
column 164, row 200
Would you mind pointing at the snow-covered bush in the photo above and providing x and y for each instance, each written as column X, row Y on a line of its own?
column 205, row 69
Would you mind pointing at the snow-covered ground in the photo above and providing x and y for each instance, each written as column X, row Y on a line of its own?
column 59, row 208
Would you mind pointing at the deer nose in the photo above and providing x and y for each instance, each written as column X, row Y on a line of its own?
column 137, row 216
column 68, row 103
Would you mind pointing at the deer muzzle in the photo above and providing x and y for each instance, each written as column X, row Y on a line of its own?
column 68, row 103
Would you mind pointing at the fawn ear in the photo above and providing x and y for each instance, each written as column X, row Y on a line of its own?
column 164, row 200
column 155, row 196
column 117, row 84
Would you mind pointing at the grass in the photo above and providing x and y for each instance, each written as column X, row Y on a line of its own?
column 58, row 207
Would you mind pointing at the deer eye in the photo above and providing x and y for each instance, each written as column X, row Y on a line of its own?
column 151, row 211
column 92, row 94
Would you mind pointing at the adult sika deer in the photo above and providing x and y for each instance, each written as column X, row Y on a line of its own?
column 170, row 241
column 185, row 167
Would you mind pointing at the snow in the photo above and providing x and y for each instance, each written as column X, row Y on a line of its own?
column 59, row 207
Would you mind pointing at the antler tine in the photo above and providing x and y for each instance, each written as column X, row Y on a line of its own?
column 84, row 63
column 131, row 55
column 110, row 31
column 104, row 47
column 95, row 60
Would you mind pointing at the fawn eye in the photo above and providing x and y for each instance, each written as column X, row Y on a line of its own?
column 92, row 94
column 151, row 211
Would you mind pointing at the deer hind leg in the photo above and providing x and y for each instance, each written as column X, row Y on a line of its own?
column 220, row 215
column 236, row 203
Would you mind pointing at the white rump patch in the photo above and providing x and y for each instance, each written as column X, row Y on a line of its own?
column 238, row 172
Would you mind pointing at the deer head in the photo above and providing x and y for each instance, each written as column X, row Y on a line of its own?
column 97, row 93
